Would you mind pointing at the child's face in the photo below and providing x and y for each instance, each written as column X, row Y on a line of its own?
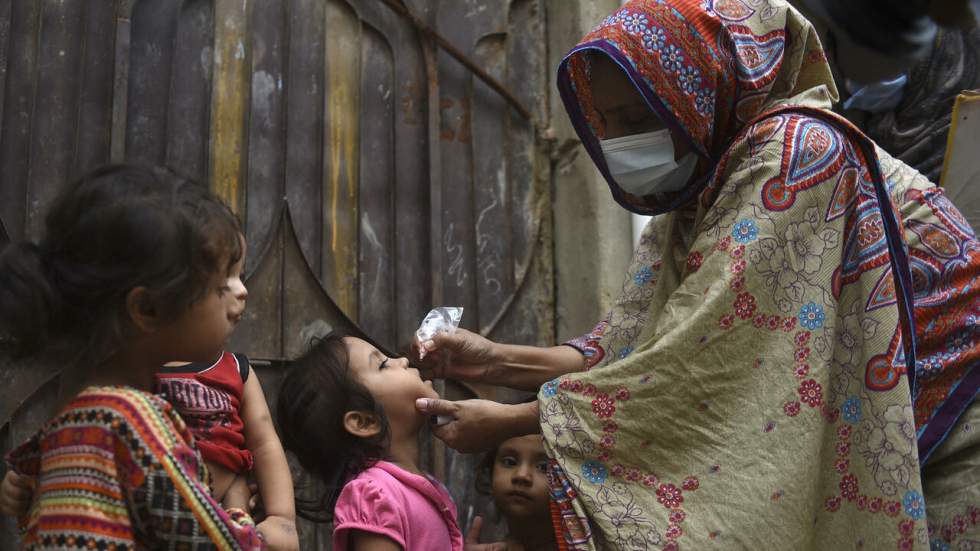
column 391, row 381
column 200, row 333
column 235, row 292
column 520, row 483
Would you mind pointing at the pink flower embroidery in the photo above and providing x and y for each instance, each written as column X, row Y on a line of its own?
column 844, row 432
column 691, row 483
column 724, row 243
column 862, row 502
column 737, row 283
column 791, row 408
column 623, row 394
column 893, row 508
column 875, row 505
column 603, row 406
column 726, row 321
column 738, row 266
column 841, row 465
column 738, row 252
column 610, row 427
column 832, row 504
column 617, row 470
column 843, row 448
column 673, row 532
column 607, row 441
column 576, row 386
column 906, row 544
column 671, row 546
column 772, row 323
column 694, row 261
column 669, row 496
column 633, row 475
column 906, row 527
column 802, row 370
column 789, row 324
column 677, row 516
column 802, row 354
column 603, row 456
column 759, row 321
column 802, row 338
column 650, row 480
column 744, row 306
column 961, row 525
column 811, row 393
column 590, row 390
column 849, row 487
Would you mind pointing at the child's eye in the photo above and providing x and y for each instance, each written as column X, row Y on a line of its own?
column 508, row 462
column 384, row 364
column 542, row 467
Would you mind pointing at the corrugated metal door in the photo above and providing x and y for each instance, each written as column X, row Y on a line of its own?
column 375, row 175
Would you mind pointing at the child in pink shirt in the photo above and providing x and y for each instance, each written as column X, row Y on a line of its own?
column 348, row 413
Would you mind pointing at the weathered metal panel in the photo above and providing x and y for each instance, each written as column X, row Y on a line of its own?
column 378, row 184
column 95, row 87
column 375, row 176
column 151, row 55
column 305, row 98
column 189, row 101
column 17, row 109
column 266, row 162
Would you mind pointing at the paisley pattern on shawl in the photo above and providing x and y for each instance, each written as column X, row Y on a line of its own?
column 749, row 387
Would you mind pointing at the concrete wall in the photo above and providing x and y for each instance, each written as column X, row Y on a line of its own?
column 592, row 234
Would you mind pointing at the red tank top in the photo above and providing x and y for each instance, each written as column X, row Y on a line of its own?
column 209, row 398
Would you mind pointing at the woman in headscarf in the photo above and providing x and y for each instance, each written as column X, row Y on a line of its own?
column 791, row 364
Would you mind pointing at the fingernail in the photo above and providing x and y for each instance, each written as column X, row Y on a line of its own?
column 429, row 345
column 422, row 404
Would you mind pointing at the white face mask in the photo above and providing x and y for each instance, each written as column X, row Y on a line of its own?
column 643, row 164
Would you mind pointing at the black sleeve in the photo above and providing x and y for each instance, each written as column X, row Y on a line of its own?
column 243, row 365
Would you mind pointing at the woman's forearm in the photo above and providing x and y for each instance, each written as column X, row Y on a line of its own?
column 529, row 367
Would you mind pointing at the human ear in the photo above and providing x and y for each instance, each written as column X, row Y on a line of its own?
column 141, row 310
column 362, row 424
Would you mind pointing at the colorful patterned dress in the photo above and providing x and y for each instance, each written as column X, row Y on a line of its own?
column 757, row 384
column 117, row 470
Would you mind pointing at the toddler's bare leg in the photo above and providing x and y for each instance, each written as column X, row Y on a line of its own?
column 221, row 480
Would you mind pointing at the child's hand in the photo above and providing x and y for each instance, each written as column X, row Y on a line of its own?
column 279, row 534
column 472, row 542
column 16, row 494
column 238, row 495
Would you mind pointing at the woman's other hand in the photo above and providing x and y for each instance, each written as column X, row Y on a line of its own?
column 479, row 425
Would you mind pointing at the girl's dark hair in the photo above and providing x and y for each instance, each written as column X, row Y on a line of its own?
column 318, row 389
column 117, row 228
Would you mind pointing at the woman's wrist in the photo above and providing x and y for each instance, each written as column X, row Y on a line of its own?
column 523, row 419
column 529, row 367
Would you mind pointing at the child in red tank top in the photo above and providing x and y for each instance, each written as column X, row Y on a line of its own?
column 225, row 408
column 208, row 398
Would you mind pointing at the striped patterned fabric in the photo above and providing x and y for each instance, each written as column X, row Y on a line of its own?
column 118, row 470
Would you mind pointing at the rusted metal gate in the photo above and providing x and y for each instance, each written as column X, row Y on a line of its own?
column 375, row 175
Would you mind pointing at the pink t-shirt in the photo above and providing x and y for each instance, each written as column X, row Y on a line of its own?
column 415, row 511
